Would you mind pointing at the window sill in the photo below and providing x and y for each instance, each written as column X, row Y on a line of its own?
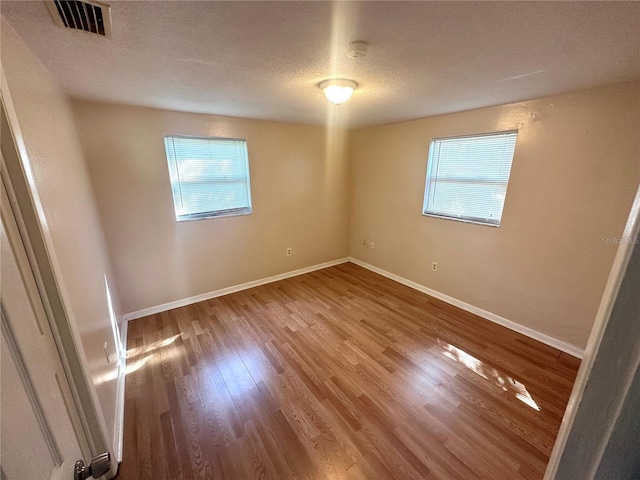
column 461, row 219
column 210, row 215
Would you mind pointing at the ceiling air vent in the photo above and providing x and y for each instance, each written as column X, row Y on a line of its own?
column 91, row 17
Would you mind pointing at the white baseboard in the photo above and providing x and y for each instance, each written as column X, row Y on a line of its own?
column 541, row 337
column 529, row 332
column 118, row 431
column 225, row 291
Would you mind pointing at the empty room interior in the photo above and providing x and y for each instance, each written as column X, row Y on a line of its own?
column 325, row 240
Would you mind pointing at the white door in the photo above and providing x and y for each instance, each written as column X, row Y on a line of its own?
column 39, row 438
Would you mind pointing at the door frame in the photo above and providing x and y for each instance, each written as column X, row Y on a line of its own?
column 26, row 207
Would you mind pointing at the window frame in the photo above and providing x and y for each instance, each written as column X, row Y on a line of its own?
column 248, row 210
column 461, row 218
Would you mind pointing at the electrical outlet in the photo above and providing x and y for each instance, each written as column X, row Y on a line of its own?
column 372, row 245
column 289, row 251
column 434, row 266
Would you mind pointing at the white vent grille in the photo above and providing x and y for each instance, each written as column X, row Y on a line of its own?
column 90, row 17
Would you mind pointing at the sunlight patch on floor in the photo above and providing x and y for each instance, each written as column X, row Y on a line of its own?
column 137, row 351
column 507, row 383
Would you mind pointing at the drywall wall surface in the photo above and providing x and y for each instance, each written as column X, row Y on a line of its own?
column 300, row 198
column 575, row 172
column 620, row 460
column 70, row 220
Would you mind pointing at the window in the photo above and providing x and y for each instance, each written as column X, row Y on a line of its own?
column 467, row 177
column 209, row 176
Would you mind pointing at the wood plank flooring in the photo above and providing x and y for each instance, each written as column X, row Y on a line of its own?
column 339, row 374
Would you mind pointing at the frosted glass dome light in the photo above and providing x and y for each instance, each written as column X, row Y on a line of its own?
column 338, row 91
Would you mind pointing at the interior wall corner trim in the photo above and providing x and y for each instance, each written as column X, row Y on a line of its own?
column 226, row 291
column 492, row 317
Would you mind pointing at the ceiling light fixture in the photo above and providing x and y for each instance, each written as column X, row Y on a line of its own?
column 338, row 91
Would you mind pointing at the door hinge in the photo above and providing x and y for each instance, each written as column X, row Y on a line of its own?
column 100, row 464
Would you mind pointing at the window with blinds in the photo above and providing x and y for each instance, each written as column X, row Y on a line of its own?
column 467, row 177
column 209, row 176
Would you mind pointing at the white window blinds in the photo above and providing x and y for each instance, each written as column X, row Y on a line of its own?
column 209, row 176
column 467, row 177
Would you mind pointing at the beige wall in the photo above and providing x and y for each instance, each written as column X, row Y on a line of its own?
column 574, row 176
column 300, row 196
column 575, row 171
column 71, row 222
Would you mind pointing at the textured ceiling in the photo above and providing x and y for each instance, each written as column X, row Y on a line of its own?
column 265, row 59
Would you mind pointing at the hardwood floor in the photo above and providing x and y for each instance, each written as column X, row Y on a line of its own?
column 338, row 374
